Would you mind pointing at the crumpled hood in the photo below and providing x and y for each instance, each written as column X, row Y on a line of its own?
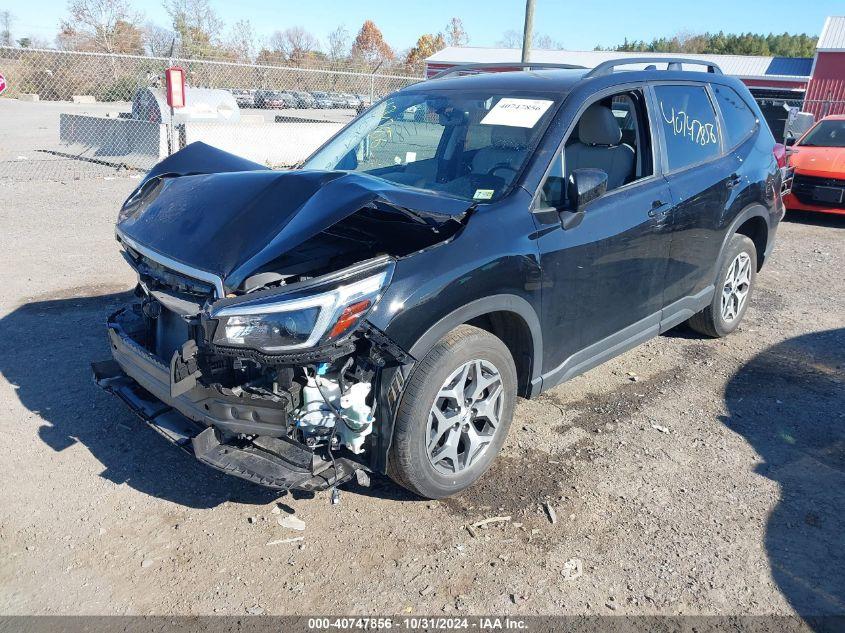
column 225, row 215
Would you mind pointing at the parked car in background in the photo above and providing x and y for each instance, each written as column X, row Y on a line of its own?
column 382, row 308
column 337, row 99
column 304, row 99
column 244, row 98
column 274, row 99
column 351, row 101
column 817, row 162
column 322, row 100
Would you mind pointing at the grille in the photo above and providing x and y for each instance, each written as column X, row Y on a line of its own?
column 803, row 187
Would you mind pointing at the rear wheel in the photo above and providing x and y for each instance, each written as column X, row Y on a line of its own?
column 454, row 414
column 733, row 290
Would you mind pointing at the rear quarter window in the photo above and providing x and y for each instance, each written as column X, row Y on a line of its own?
column 738, row 118
column 689, row 125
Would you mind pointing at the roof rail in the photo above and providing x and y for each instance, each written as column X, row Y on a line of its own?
column 673, row 63
column 502, row 66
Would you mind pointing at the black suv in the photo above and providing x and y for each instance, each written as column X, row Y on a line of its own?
column 466, row 240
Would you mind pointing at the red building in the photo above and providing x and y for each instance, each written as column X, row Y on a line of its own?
column 826, row 88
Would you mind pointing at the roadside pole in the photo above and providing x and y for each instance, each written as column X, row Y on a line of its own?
column 527, row 31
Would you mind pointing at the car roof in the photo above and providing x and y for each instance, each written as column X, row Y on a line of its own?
column 558, row 80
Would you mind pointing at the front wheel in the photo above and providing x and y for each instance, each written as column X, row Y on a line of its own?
column 733, row 290
column 454, row 414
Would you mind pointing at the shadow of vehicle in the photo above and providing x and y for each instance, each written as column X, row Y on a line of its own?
column 47, row 348
column 813, row 218
column 789, row 403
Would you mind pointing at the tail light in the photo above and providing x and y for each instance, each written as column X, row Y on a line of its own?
column 779, row 152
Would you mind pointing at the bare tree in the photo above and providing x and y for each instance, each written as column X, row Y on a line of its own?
column 295, row 44
column 545, row 42
column 6, row 19
column 106, row 26
column 159, row 40
column 197, row 25
column 242, row 41
column 511, row 39
column 456, row 34
column 338, row 43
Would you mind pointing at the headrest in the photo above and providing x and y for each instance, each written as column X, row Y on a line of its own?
column 507, row 137
column 598, row 126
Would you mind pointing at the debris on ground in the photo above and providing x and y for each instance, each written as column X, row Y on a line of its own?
column 255, row 610
column 550, row 512
column 484, row 522
column 282, row 541
column 572, row 569
column 292, row 522
column 660, row 428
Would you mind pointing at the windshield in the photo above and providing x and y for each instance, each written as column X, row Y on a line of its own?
column 466, row 144
column 830, row 133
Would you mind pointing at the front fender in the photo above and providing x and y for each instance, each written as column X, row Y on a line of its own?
column 392, row 380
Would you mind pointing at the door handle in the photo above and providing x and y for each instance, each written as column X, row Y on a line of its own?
column 734, row 180
column 659, row 209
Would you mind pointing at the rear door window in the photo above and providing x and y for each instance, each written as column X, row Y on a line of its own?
column 739, row 120
column 689, row 124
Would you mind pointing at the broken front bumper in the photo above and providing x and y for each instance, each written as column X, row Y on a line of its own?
column 199, row 419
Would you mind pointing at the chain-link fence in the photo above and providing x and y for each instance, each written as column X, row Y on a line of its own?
column 75, row 115
column 789, row 118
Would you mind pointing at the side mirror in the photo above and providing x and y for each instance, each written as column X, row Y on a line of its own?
column 584, row 186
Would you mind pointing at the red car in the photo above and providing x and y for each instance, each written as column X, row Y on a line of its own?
column 818, row 159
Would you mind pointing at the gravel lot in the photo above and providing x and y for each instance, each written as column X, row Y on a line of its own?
column 689, row 476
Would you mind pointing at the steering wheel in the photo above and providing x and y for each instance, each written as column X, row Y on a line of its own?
column 492, row 171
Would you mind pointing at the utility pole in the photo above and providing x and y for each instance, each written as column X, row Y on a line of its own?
column 527, row 32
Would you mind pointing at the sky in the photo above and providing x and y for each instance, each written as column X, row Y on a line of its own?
column 577, row 25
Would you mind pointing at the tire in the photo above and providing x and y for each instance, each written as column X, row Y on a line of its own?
column 416, row 447
column 713, row 321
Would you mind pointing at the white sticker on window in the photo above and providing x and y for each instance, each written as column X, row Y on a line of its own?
column 517, row 112
column 483, row 194
column 410, row 157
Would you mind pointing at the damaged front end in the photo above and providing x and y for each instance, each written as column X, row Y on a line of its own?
column 276, row 387
column 248, row 342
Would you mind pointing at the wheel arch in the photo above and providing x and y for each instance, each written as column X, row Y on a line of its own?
column 752, row 223
column 509, row 317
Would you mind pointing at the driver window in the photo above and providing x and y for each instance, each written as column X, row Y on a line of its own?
column 612, row 135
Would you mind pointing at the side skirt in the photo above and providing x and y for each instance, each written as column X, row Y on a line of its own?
column 627, row 338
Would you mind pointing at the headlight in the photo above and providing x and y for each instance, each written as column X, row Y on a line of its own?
column 292, row 324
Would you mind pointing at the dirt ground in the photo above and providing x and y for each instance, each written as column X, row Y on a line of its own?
column 688, row 476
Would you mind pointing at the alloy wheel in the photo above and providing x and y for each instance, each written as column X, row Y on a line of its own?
column 736, row 287
column 464, row 417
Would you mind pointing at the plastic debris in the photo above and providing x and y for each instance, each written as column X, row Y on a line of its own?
column 550, row 511
column 292, row 522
